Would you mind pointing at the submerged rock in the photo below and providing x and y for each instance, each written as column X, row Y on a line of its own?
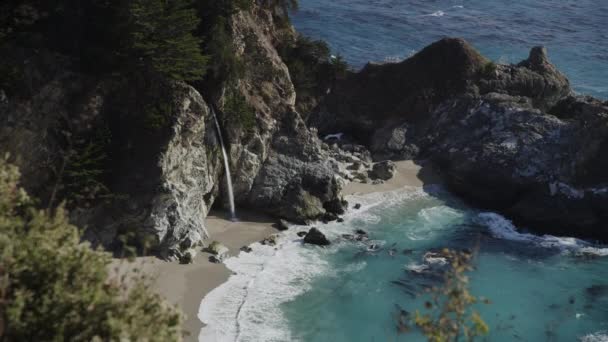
column 315, row 237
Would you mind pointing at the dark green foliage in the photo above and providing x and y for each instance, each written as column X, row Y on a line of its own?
column 339, row 66
column 83, row 181
column 312, row 68
column 55, row 288
column 224, row 63
column 157, row 115
column 238, row 111
column 488, row 69
column 161, row 38
column 11, row 77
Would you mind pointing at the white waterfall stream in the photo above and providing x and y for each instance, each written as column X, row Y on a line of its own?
column 226, row 166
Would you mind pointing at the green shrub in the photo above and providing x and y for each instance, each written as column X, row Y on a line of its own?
column 55, row 288
column 162, row 39
column 489, row 69
column 157, row 115
column 83, row 180
column 237, row 110
column 450, row 316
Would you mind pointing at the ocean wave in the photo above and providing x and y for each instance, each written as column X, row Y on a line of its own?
column 502, row 228
column 435, row 14
column 601, row 336
column 248, row 306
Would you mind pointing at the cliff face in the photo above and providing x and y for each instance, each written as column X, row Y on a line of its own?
column 511, row 138
column 133, row 181
column 280, row 166
column 138, row 164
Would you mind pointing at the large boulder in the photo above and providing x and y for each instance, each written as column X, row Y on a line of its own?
column 383, row 170
column 315, row 237
column 544, row 172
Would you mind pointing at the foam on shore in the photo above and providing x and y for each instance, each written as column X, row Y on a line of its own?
column 502, row 228
column 248, row 306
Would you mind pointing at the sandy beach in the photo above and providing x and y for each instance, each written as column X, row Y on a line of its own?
column 409, row 173
column 186, row 285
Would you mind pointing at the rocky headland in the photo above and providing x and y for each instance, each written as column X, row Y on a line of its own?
column 511, row 138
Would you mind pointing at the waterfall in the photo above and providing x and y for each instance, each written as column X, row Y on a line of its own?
column 226, row 166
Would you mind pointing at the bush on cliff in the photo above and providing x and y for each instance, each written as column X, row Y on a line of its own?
column 55, row 288
column 161, row 38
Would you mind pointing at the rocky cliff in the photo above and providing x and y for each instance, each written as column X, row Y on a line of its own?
column 142, row 160
column 512, row 138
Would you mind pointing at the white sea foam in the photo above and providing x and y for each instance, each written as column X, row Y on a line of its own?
column 601, row 336
column 436, row 14
column 502, row 228
column 248, row 306
column 418, row 268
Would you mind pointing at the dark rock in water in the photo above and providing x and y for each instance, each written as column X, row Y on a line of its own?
column 357, row 206
column 340, row 219
column 246, row 249
column 596, row 291
column 282, row 225
column 373, row 247
column 384, row 170
column 315, row 237
column 327, row 217
column 302, row 234
column 361, row 235
column 407, row 251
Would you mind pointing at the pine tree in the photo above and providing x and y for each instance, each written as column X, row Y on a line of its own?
column 161, row 38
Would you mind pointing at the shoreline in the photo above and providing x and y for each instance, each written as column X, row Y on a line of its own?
column 187, row 285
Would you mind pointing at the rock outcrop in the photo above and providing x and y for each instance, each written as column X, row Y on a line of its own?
column 280, row 165
column 163, row 180
column 511, row 138
column 315, row 237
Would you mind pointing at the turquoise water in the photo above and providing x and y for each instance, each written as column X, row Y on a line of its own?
column 575, row 31
column 540, row 288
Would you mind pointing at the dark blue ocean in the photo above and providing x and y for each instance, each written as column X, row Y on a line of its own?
column 574, row 31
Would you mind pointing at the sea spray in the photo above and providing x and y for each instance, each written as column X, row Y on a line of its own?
column 227, row 167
